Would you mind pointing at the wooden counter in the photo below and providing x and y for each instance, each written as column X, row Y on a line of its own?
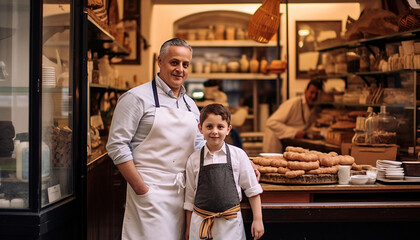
column 330, row 203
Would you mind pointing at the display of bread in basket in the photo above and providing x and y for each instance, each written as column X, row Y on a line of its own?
column 302, row 166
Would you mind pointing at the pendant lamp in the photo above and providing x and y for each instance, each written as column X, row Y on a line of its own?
column 264, row 23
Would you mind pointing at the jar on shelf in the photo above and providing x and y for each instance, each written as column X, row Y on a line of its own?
column 359, row 131
column 230, row 33
column 382, row 128
column 359, row 136
column 220, row 32
column 244, row 63
column 263, row 65
column 240, row 34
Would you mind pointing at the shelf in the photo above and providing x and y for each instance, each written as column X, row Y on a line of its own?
column 342, row 76
column 103, row 86
column 230, row 43
column 373, row 74
column 413, row 34
column 405, row 106
column 14, row 89
column 378, row 73
column 98, row 33
column 239, row 76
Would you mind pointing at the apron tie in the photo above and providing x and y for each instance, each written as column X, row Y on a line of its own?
column 179, row 181
column 207, row 223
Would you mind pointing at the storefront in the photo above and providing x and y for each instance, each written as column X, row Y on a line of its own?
column 63, row 66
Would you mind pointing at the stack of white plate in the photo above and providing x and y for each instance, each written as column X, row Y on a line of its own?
column 48, row 76
column 390, row 169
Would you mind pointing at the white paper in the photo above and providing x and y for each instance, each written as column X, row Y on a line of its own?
column 54, row 193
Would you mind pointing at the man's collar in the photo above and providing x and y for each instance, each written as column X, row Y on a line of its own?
column 162, row 85
column 303, row 99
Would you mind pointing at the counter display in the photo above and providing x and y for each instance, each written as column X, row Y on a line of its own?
column 349, row 211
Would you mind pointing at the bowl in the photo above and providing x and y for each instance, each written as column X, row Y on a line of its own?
column 371, row 180
column 359, row 179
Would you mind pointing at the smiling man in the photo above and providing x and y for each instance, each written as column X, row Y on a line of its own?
column 153, row 131
column 291, row 119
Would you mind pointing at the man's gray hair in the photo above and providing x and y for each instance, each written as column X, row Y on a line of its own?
column 173, row 42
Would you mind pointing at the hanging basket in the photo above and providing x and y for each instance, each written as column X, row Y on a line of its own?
column 264, row 23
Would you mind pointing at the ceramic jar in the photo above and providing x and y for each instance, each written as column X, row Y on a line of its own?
column 230, row 33
column 220, row 32
column 240, row 34
column 233, row 66
column 198, row 67
column 254, row 64
column 214, row 67
column 263, row 65
column 244, row 63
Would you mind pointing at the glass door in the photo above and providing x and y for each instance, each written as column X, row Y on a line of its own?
column 14, row 103
column 57, row 109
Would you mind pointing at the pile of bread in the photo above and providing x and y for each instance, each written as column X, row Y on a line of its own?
column 297, row 161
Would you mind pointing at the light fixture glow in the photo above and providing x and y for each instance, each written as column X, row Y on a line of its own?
column 303, row 32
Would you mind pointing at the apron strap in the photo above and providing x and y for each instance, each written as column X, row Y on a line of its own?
column 186, row 104
column 155, row 95
column 208, row 221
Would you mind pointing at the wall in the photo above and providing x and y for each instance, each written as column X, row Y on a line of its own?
column 308, row 12
column 157, row 26
column 162, row 27
column 143, row 71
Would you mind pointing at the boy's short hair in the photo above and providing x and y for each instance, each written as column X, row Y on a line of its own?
column 216, row 109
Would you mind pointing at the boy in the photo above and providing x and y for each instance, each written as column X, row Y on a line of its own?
column 215, row 176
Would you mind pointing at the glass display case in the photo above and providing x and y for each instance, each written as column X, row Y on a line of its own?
column 40, row 95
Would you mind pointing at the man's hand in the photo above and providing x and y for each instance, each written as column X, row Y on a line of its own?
column 257, row 173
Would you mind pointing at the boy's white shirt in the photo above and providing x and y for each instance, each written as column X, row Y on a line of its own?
column 243, row 172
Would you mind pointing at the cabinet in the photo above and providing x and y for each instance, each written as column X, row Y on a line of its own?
column 219, row 41
column 106, row 189
column 43, row 146
column 387, row 67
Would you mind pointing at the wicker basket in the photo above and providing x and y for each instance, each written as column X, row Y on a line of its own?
column 264, row 23
column 409, row 21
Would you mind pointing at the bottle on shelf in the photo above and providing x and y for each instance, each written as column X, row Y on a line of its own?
column 89, row 66
column 95, row 70
column 359, row 131
column 254, row 64
column 263, row 65
column 244, row 64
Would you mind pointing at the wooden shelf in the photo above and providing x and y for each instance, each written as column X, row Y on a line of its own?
column 230, row 43
column 103, row 86
column 98, row 33
column 239, row 76
column 375, row 40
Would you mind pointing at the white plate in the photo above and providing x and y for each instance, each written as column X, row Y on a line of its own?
column 394, row 176
column 394, row 170
column 271, row 154
column 397, row 163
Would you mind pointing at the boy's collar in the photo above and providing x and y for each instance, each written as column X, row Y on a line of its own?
column 207, row 151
